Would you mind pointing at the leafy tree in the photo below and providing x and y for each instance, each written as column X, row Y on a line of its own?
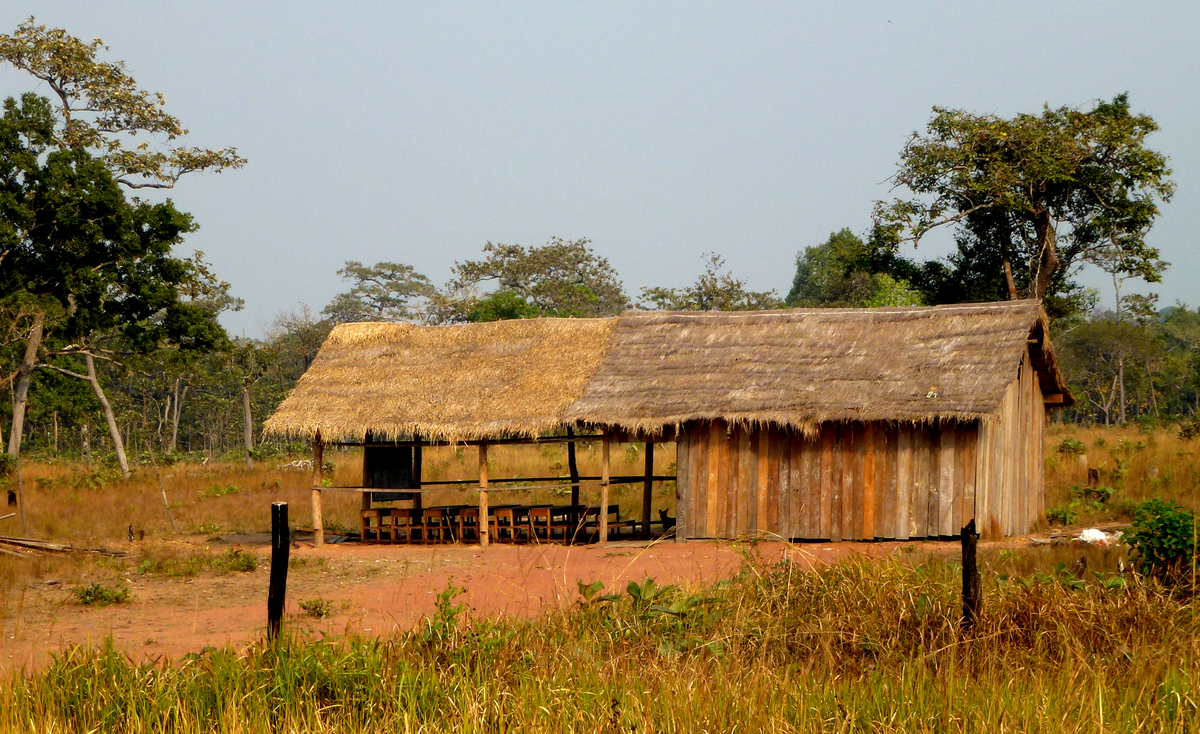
column 383, row 292
column 84, row 265
column 714, row 290
column 62, row 171
column 560, row 278
column 100, row 109
column 844, row 271
column 1034, row 196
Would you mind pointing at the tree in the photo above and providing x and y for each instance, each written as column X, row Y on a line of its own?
column 100, row 122
column 87, row 266
column 844, row 271
column 714, row 290
column 383, row 292
column 1033, row 196
column 100, row 109
column 560, row 278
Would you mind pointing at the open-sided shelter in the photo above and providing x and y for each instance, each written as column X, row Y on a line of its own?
column 802, row 423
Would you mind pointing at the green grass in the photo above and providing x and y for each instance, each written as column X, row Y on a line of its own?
column 233, row 559
column 863, row 646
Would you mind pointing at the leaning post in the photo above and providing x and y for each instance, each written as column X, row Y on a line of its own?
column 317, row 520
column 483, row 496
column 971, row 583
column 604, row 477
column 280, row 544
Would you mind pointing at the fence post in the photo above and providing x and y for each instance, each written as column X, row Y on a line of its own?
column 971, row 592
column 280, row 546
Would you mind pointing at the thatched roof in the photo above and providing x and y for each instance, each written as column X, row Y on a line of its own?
column 801, row 367
column 648, row 370
column 443, row 382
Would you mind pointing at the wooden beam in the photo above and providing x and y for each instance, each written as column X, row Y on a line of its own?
column 317, row 520
column 572, row 466
column 604, row 489
column 483, row 495
column 647, row 490
column 1055, row 399
column 489, row 441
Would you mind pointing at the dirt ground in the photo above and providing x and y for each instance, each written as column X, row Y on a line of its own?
column 372, row 590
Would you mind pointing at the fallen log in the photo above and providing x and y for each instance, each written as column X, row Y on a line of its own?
column 49, row 547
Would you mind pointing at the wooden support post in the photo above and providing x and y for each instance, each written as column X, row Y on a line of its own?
column 573, row 467
column 416, row 482
column 317, row 520
column 280, row 546
column 972, row 596
column 483, row 496
column 647, row 490
column 604, row 488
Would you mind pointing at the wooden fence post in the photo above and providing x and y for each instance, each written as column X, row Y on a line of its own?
column 317, row 519
column 483, row 495
column 971, row 582
column 280, row 546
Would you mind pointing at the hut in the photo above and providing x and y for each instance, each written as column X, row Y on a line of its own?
column 803, row 424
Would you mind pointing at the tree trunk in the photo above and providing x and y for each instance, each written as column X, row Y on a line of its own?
column 113, row 429
column 56, row 433
column 85, row 440
column 1008, row 276
column 179, row 396
column 247, row 425
column 1121, row 379
column 21, row 394
column 1048, row 259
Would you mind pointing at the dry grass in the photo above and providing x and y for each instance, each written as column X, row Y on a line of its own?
column 1138, row 465
column 862, row 646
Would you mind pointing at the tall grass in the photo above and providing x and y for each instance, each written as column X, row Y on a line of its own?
column 863, row 646
column 1137, row 464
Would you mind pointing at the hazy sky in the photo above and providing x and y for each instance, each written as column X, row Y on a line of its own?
column 416, row 133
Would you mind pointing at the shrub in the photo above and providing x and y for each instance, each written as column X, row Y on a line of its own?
column 1190, row 428
column 1071, row 447
column 1162, row 539
column 1063, row 515
column 101, row 595
column 319, row 608
column 236, row 559
column 8, row 465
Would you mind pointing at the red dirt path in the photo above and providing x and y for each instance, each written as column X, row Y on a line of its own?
column 374, row 590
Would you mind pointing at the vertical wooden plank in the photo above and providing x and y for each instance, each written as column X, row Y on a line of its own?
column 771, row 483
column 812, row 448
column 728, row 466
column 800, row 482
column 946, row 480
column 970, row 448
column 829, row 475
column 847, row 528
column 483, row 496
column 605, row 451
column 740, row 451
column 885, row 481
column 768, row 466
column 782, row 456
column 903, row 480
column 683, row 487
column 715, row 500
column 869, row 475
column 924, row 469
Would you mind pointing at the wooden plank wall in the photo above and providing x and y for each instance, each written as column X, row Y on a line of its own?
column 1010, row 465
column 853, row 481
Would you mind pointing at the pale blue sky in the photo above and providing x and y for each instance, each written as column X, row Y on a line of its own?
column 416, row 133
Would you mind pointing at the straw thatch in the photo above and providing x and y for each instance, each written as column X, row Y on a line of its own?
column 443, row 382
column 803, row 367
column 645, row 371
